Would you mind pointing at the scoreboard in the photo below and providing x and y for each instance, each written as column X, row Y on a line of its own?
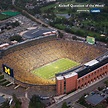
column 90, row 40
column 7, row 70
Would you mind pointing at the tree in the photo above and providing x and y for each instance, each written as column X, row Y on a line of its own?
column 106, row 83
column 16, row 37
column 80, row 32
column 74, row 37
column 15, row 24
column 35, row 102
column 64, row 105
column 5, row 104
column 107, row 100
column 16, row 101
column 60, row 34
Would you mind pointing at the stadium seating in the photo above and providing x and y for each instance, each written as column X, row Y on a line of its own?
column 28, row 58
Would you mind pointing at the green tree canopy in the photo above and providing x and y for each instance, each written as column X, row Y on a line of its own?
column 35, row 102
column 16, row 101
column 64, row 105
column 5, row 104
column 16, row 37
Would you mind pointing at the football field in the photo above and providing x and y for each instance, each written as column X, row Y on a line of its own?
column 49, row 70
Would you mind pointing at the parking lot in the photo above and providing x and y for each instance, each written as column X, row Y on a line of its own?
column 24, row 24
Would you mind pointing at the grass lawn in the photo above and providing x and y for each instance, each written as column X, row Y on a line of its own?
column 65, row 11
column 48, row 71
column 48, row 7
column 60, row 26
column 3, row 17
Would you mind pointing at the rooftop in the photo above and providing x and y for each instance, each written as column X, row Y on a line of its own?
column 70, row 75
column 36, row 32
column 95, row 99
column 60, row 77
column 91, row 63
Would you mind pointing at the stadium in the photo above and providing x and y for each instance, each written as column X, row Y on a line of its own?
column 48, row 60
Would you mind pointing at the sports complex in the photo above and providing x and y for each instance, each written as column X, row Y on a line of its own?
column 48, row 60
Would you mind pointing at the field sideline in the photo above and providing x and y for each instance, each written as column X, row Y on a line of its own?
column 49, row 70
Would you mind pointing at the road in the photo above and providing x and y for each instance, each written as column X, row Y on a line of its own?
column 73, row 97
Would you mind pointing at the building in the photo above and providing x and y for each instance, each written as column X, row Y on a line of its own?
column 96, row 99
column 50, row 1
column 1, row 100
column 82, row 76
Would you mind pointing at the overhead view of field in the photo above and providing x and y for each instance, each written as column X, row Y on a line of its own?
column 49, row 70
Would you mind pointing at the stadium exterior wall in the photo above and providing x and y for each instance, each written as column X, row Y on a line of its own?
column 41, row 87
column 92, row 76
column 60, row 86
column 66, row 84
column 73, row 83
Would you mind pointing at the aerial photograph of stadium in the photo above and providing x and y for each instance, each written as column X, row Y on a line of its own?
column 54, row 54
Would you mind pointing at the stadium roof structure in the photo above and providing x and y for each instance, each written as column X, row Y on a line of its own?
column 91, row 63
column 60, row 77
column 103, row 56
column 70, row 75
column 95, row 99
column 34, row 33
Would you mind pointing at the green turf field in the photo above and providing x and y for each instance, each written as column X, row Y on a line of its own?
column 10, row 13
column 48, row 71
column 7, row 14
